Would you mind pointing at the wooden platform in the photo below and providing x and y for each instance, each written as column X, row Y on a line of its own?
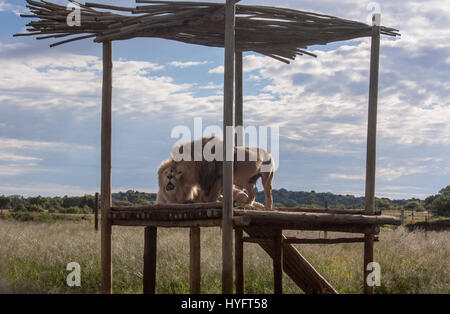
column 262, row 227
column 210, row 215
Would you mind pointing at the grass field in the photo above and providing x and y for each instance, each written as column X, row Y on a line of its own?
column 33, row 259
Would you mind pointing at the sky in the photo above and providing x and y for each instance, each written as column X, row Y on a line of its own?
column 50, row 105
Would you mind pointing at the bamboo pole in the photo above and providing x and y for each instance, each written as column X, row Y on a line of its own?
column 194, row 260
column 227, row 225
column 239, row 260
column 149, row 273
column 106, row 170
column 371, row 145
column 239, row 120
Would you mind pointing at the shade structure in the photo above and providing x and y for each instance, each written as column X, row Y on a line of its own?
column 279, row 33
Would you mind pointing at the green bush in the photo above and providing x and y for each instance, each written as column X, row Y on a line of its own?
column 35, row 208
column 19, row 216
column 71, row 210
column 20, row 208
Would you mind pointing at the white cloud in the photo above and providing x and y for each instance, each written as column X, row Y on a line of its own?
column 211, row 85
column 343, row 176
column 187, row 64
column 11, row 143
column 5, row 6
column 74, row 81
column 14, row 157
column 217, row 70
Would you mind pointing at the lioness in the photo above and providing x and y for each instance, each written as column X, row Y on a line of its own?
column 250, row 164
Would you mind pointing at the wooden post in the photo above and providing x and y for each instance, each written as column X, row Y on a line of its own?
column 96, row 212
column 239, row 260
column 402, row 216
column 194, row 260
column 106, row 169
column 325, row 233
column 371, row 145
column 238, row 118
column 227, row 225
column 150, row 246
column 278, row 262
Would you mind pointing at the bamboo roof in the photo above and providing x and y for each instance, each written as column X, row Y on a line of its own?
column 275, row 32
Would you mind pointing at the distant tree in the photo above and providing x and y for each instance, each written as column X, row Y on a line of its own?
column 414, row 206
column 290, row 203
column 383, row 204
column 312, row 198
column 445, row 191
column 5, row 202
column 429, row 201
column 441, row 205
column 38, row 200
column 20, row 208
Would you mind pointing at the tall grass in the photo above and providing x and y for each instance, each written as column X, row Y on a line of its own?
column 33, row 258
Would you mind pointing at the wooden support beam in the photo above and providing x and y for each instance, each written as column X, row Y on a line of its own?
column 239, row 260
column 150, row 247
column 106, row 169
column 239, row 100
column 325, row 241
column 96, row 212
column 278, row 261
column 371, row 145
column 194, row 260
column 294, row 264
column 227, row 186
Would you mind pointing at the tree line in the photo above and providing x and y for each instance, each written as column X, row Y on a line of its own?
column 438, row 203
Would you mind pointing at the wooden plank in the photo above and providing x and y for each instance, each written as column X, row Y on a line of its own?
column 96, row 212
column 371, row 148
column 239, row 260
column 278, row 262
column 258, row 216
column 325, row 241
column 227, row 226
column 213, row 205
column 150, row 247
column 324, row 210
column 168, row 214
column 237, row 222
column 106, row 169
column 194, row 260
column 294, row 265
column 239, row 102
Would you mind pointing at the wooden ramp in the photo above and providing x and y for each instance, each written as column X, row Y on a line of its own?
column 294, row 265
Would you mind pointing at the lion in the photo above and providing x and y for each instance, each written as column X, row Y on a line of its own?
column 172, row 189
column 250, row 164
